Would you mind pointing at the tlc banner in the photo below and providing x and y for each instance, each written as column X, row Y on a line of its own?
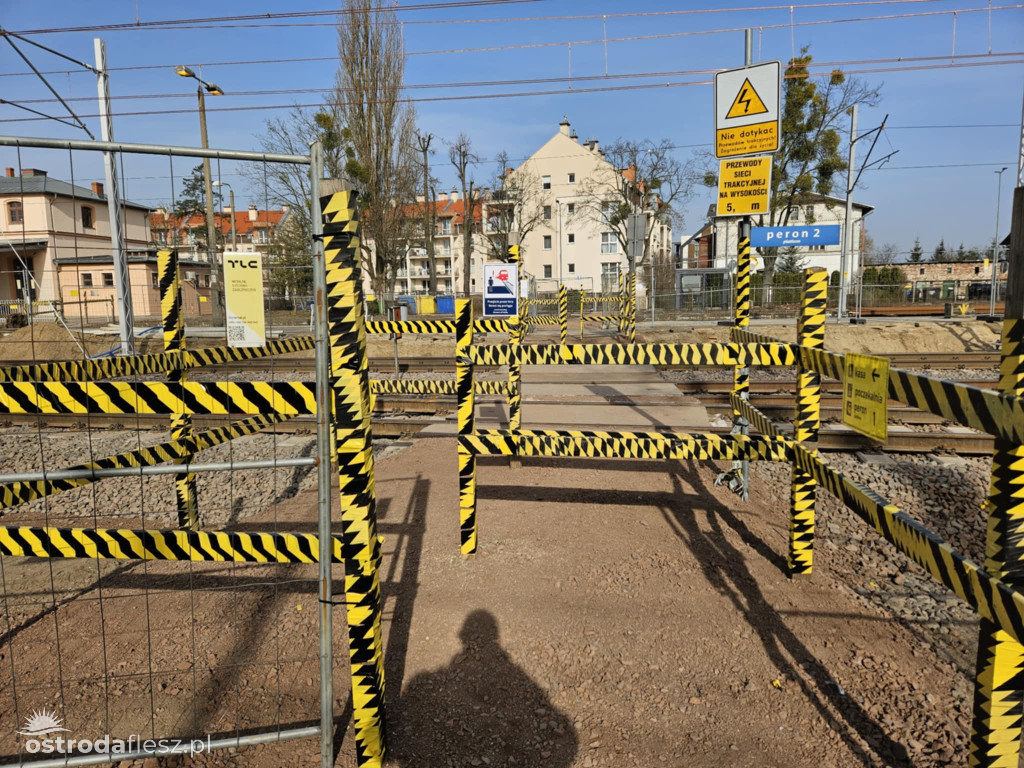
column 243, row 299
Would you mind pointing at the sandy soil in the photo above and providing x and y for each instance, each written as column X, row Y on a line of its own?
column 873, row 338
column 620, row 614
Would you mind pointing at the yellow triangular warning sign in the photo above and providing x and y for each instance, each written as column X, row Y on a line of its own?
column 747, row 102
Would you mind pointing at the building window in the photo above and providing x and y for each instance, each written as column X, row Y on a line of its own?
column 547, row 242
column 572, row 267
column 545, row 182
column 446, row 226
column 87, row 279
column 572, row 238
column 977, row 270
column 547, row 213
column 609, row 243
column 572, row 208
column 108, row 279
column 154, row 279
column 547, row 270
column 204, row 281
column 949, row 270
column 920, row 271
column 15, row 213
column 809, row 213
column 609, row 276
column 794, row 213
column 87, row 219
column 572, row 178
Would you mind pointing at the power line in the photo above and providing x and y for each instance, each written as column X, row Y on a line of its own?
column 936, row 165
column 567, row 43
column 521, row 94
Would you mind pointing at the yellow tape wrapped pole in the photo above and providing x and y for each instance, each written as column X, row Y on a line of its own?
column 181, row 423
column 622, row 304
column 999, row 683
column 563, row 315
column 631, row 302
column 466, row 406
column 516, row 333
column 741, row 373
column 361, row 546
column 583, row 294
column 810, row 332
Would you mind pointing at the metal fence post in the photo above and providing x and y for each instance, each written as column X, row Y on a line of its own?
column 741, row 374
column 998, row 699
column 622, row 304
column 583, row 312
column 563, row 314
column 466, row 408
column 360, row 546
column 181, row 423
column 810, row 332
column 631, row 304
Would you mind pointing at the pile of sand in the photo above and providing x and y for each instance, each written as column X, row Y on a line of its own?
column 50, row 341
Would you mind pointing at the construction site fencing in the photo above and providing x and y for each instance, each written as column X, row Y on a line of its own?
column 993, row 591
column 189, row 628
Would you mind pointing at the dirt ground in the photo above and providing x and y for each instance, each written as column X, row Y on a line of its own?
column 624, row 614
column 873, row 338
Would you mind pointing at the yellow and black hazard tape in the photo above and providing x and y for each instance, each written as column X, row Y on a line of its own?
column 233, row 397
column 124, row 544
column 542, row 319
column 430, row 387
column 599, row 318
column 986, row 410
column 624, row 445
column 635, row 354
column 139, row 365
column 542, row 302
column 466, row 414
column 743, row 336
column 755, row 417
column 440, row 327
column 991, row 598
column 353, row 447
column 13, row 494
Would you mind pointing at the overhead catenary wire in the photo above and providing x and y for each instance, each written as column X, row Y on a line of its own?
column 270, row 19
column 520, row 94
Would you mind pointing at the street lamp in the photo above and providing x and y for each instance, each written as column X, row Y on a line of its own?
column 231, row 192
column 211, row 230
column 995, row 245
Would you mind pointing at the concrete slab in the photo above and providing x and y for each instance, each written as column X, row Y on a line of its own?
column 878, row 459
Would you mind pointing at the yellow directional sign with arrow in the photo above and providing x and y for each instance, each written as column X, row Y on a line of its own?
column 866, row 395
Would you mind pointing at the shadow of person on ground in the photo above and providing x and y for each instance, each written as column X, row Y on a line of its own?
column 481, row 707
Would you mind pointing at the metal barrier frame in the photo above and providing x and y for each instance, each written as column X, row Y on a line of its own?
column 77, row 387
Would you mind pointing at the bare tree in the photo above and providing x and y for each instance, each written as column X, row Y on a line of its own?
column 642, row 177
column 461, row 155
column 423, row 141
column 368, row 89
column 281, row 184
column 514, row 209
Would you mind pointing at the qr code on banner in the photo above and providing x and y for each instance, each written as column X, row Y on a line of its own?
column 236, row 334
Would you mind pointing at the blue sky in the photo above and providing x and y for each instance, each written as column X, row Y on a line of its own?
column 953, row 203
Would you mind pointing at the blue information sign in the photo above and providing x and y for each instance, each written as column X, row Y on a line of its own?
column 808, row 234
column 501, row 284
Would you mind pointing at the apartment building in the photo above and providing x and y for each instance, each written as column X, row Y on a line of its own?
column 247, row 231
column 47, row 224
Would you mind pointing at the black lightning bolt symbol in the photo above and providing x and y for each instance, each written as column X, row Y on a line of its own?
column 744, row 101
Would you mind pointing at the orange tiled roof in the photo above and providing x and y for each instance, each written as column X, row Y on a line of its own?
column 243, row 225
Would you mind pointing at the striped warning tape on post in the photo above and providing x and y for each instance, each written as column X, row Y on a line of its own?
column 361, row 546
column 807, row 420
column 231, row 397
column 440, row 327
column 637, row 354
column 124, row 544
column 991, row 598
column 542, row 319
column 432, row 387
column 624, row 445
column 13, row 494
column 599, row 318
column 185, row 493
column 466, row 412
column 755, row 417
column 139, row 365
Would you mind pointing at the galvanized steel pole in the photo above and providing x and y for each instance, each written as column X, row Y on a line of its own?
column 847, row 244
column 118, row 253
column 994, row 289
column 323, row 452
